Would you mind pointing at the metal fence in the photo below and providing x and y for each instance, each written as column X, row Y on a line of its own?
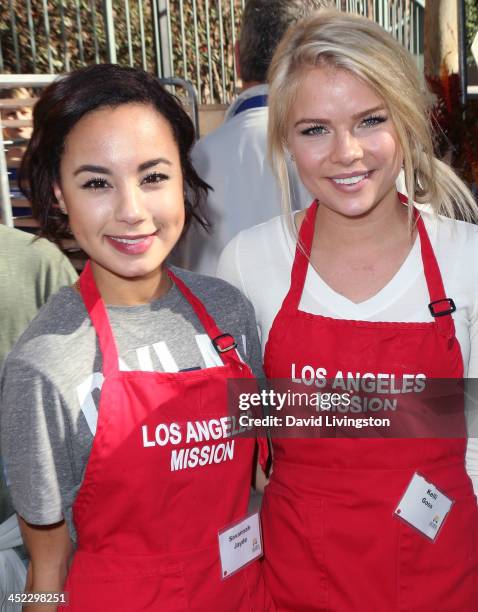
column 193, row 40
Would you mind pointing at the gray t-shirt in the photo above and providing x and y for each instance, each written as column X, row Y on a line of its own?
column 51, row 381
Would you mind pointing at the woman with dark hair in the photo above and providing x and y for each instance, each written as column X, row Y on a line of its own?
column 115, row 431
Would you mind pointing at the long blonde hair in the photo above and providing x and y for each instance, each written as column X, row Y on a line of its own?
column 363, row 48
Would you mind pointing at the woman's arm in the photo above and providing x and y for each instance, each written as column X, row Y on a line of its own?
column 50, row 550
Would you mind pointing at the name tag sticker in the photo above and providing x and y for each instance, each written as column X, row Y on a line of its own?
column 424, row 507
column 240, row 544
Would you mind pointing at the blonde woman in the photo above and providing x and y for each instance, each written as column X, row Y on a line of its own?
column 362, row 285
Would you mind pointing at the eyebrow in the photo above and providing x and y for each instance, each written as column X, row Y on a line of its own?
column 153, row 162
column 102, row 170
column 90, row 168
column 363, row 113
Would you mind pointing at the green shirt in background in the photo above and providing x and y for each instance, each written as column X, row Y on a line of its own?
column 30, row 272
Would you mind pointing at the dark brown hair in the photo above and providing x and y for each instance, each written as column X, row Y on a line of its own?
column 264, row 22
column 65, row 102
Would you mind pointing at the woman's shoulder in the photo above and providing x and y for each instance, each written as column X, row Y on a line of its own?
column 229, row 308
column 451, row 233
column 210, row 289
column 455, row 244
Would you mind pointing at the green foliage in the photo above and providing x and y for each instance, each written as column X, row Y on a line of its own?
column 72, row 33
column 471, row 8
column 59, row 40
column 213, row 63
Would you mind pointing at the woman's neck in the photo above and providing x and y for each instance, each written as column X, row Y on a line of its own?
column 358, row 256
column 383, row 225
column 120, row 291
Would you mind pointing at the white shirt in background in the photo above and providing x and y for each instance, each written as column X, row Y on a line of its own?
column 233, row 160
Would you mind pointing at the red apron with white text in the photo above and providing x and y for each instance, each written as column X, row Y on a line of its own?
column 331, row 540
column 151, row 504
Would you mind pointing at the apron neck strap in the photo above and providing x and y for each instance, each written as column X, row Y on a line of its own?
column 440, row 306
column 99, row 317
column 223, row 343
column 301, row 259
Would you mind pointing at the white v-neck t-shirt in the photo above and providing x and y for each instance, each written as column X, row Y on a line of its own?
column 258, row 261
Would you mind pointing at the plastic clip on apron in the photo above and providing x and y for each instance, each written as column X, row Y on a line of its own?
column 331, row 541
column 148, row 514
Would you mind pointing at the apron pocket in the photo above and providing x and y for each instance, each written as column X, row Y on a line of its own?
column 102, row 583
column 207, row 591
column 294, row 552
column 441, row 575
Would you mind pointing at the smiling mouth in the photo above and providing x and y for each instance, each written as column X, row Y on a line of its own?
column 132, row 245
column 135, row 240
column 350, row 180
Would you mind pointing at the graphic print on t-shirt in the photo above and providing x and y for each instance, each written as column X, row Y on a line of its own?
column 153, row 358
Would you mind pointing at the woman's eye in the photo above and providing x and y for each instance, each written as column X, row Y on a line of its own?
column 373, row 120
column 154, row 178
column 95, row 183
column 314, row 130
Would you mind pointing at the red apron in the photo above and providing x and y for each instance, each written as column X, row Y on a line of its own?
column 331, row 540
column 151, row 503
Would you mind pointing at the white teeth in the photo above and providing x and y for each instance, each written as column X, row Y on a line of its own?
column 351, row 180
column 127, row 240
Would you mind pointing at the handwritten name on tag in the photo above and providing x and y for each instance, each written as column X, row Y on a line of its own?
column 240, row 544
column 424, row 507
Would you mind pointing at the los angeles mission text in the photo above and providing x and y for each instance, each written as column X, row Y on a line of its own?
column 219, row 432
column 199, row 443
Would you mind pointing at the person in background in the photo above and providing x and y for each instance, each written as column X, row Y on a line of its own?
column 117, row 442
column 361, row 287
column 17, row 136
column 31, row 271
column 16, row 139
column 233, row 158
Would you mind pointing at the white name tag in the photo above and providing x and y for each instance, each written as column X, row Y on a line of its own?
column 424, row 507
column 240, row 544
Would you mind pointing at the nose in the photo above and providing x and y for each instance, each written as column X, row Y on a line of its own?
column 347, row 149
column 130, row 208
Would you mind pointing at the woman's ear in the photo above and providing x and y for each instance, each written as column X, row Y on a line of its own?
column 59, row 198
